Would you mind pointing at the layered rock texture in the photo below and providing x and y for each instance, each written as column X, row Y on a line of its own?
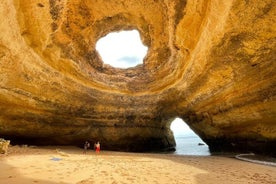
column 210, row 62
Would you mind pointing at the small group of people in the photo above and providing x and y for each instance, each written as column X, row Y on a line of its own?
column 97, row 147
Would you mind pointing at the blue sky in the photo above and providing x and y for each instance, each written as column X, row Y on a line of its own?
column 122, row 49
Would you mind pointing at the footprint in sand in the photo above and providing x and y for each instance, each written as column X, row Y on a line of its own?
column 233, row 174
column 104, row 173
column 114, row 182
column 130, row 179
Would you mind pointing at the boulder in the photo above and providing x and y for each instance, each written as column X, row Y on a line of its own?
column 4, row 146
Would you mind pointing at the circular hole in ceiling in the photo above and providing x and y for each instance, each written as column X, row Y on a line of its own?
column 122, row 49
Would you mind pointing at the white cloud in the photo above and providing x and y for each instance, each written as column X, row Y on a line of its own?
column 120, row 48
column 179, row 127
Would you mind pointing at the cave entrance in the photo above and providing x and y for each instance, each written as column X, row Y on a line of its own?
column 122, row 49
column 187, row 142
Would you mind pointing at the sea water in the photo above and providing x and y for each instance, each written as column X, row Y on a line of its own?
column 189, row 144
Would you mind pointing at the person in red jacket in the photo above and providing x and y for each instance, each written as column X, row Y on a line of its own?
column 98, row 147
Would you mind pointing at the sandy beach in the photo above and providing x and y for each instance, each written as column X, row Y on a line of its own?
column 52, row 165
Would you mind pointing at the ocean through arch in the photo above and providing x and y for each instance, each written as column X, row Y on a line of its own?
column 187, row 142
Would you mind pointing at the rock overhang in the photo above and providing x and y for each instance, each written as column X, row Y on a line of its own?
column 73, row 39
column 207, row 63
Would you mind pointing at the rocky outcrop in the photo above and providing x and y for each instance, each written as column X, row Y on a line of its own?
column 211, row 63
column 4, row 146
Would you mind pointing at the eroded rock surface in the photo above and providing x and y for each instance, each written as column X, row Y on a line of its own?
column 211, row 63
column 4, row 146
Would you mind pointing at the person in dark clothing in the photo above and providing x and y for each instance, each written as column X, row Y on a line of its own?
column 86, row 146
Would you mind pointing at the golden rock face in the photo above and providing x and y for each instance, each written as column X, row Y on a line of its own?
column 211, row 63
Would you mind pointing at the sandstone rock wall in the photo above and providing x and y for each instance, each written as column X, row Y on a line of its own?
column 4, row 146
column 211, row 63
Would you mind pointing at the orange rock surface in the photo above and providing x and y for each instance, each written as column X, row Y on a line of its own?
column 211, row 63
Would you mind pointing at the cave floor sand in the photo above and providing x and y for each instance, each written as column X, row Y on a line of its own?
column 52, row 165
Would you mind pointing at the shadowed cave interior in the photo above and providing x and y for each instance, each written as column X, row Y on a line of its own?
column 210, row 63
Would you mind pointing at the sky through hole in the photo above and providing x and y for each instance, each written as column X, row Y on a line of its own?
column 122, row 49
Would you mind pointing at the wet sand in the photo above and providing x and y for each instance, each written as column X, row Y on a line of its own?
column 52, row 165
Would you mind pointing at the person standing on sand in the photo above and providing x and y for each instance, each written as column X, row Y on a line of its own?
column 86, row 146
column 98, row 147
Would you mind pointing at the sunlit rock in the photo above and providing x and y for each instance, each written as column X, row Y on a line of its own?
column 4, row 146
column 211, row 63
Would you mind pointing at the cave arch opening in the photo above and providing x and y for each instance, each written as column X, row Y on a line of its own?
column 122, row 49
column 187, row 141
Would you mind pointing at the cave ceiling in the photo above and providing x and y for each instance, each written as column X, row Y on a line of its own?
column 211, row 63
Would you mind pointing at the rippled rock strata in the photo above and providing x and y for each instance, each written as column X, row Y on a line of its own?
column 211, row 63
